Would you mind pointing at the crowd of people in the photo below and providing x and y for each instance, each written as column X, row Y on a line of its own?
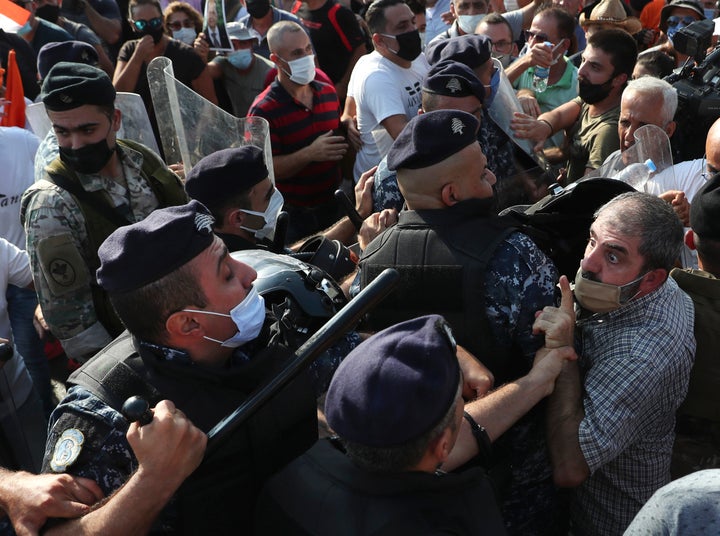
column 488, row 394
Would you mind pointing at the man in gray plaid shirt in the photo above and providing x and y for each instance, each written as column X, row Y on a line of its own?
column 611, row 417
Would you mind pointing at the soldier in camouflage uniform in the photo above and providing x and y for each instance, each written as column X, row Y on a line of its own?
column 97, row 184
column 485, row 278
column 199, row 336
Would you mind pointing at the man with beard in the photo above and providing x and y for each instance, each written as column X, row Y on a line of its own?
column 97, row 184
column 591, row 119
column 611, row 418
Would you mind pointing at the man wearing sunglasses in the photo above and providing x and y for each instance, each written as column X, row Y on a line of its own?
column 556, row 26
column 677, row 15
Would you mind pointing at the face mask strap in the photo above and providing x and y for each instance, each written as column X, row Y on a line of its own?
column 205, row 312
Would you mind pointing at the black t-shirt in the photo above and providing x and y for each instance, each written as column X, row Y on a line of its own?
column 187, row 66
column 335, row 34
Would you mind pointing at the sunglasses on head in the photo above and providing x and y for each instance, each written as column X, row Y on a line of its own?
column 176, row 25
column 675, row 20
column 142, row 25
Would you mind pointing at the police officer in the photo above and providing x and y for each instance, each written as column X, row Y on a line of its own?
column 395, row 403
column 486, row 279
column 197, row 336
column 96, row 185
column 234, row 185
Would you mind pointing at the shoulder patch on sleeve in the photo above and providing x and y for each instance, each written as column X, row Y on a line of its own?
column 67, row 450
column 62, row 265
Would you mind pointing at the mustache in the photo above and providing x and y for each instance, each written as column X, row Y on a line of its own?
column 591, row 276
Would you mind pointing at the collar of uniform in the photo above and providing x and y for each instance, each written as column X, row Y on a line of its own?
column 165, row 352
column 470, row 208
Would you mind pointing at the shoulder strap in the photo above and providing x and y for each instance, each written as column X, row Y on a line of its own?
column 111, row 377
column 332, row 16
column 102, row 207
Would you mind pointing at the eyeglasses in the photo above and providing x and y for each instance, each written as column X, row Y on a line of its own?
column 142, row 25
column 675, row 20
column 185, row 23
column 529, row 34
column 503, row 47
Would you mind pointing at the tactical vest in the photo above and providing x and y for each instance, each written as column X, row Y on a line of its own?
column 324, row 493
column 222, row 492
column 101, row 219
column 442, row 270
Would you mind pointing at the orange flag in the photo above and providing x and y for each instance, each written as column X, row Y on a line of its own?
column 14, row 112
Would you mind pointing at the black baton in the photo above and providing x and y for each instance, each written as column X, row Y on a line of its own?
column 326, row 336
column 349, row 209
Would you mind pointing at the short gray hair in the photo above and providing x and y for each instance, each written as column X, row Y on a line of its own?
column 653, row 220
column 277, row 32
column 650, row 86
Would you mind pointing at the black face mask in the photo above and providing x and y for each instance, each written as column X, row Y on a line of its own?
column 258, row 10
column 410, row 45
column 594, row 93
column 48, row 13
column 88, row 159
column 156, row 34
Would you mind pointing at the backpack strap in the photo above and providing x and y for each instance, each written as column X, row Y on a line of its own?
column 332, row 16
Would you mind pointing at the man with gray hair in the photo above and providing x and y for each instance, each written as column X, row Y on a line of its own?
column 649, row 101
column 303, row 116
column 611, row 417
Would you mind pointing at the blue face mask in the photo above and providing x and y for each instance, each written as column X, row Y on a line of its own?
column 675, row 23
column 248, row 316
column 24, row 29
column 240, row 59
column 494, row 85
column 186, row 35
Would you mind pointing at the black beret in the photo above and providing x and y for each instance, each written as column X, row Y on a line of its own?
column 453, row 79
column 432, row 137
column 705, row 210
column 395, row 386
column 225, row 173
column 71, row 85
column 138, row 254
column 472, row 50
column 70, row 51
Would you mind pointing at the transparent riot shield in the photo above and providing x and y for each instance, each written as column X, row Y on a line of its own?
column 135, row 124
column 504, row 105
column 647, row 166
column 192, row 127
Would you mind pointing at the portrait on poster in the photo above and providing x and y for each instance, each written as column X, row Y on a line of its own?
column 214, row 26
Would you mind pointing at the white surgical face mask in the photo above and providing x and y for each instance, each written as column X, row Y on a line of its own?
column 302, row 70
column 468, row 23
column 186, row 35
column 248, row 316
column 270, row 216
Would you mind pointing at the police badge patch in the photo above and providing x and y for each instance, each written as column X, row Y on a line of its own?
column 67, row 450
